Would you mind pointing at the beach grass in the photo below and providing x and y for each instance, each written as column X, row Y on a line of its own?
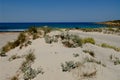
column 110, row 46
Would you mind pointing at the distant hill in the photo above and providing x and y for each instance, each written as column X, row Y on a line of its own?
column 113, row 23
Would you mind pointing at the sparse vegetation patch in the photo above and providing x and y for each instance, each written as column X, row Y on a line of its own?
column 89, row 52
column 14, row 78
column 68, row 66
column 109, row 46
column 75, row 55
column 28, row 72
column 88, row 40
column 30, row 57
column 115, row 59
column 13, row 57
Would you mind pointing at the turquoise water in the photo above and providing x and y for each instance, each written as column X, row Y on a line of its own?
column 24, row 26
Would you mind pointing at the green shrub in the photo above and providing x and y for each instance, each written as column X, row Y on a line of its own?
column 35, row 36
column 28, row 72
column 13, row 57
column 115, row 60
column 29, row 42
column 95, row 61
column 32, row 30
column 2, row 54
column 91, row 29
column 105, row 45
column 88, row 40
column 46, row 30
column 48, row 39
column 30, row 57
column 21, row 38
column 55, row 38
column 110, row 29
column 68, row 66
column 24, row 66
column 75, row 55
column 31, row 73
column 8, row 47
column 14, row 78
column 67, row 44
column 88, row 75
column 86, row 30
column 77, row 39
column 109, row 46
column 90, row 52
column 71, row 40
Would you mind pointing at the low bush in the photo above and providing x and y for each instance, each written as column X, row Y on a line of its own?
column 14, row 78
column 13, row 57
column 90, row 52
column 77, row 39
column 46, row 30
column 115, row 60
column 75, row 55
column 24, row 66
column 67, row 44
column 29, row 42
column 35, row 36
column 2, row 54
column 68, row 66
column 109, row 46
column 88, row 40
column 88, row 75
column 28, row 72
column 31, row 73
column 95, row 61
column 110, row 29
column 32, row 30
column 30, row 57
column 55, row 38
column 21, row 38
column 10, row 45
column 91, row 29
column 71, row 41
column 48, row 39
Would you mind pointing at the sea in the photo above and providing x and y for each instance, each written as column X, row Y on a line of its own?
column 10, row 27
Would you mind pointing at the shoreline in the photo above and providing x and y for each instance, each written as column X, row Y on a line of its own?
column 50, row 56
column 11, row 32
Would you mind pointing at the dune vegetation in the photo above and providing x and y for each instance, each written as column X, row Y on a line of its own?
column 46, row 53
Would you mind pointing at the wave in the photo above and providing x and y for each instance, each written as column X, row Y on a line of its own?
column 12, row 30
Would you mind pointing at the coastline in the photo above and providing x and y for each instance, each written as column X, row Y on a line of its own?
column 51, row 56
column 10, row 32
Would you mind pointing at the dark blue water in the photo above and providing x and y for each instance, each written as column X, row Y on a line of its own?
column 24, row 26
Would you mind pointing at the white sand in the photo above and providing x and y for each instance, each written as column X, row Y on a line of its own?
column 50, row 57
column 7, row 36
column 100, row 37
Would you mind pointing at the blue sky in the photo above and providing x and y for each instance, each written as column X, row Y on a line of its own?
column 59, row 10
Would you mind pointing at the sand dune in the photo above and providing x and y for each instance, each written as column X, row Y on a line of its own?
column 7, row 36
column 50, row 57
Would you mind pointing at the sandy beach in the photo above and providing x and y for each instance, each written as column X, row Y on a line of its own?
column 59, row 40
column 50, row 57
column 7, row 36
